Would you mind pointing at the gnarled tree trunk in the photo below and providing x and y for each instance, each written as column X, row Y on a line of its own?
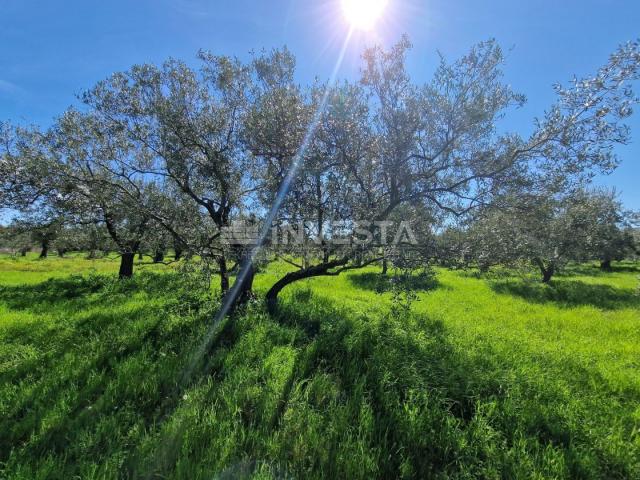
column 158, row 256
column 245, row 288
column 291, row 277
column 224, row 274
column 547, row 271
column 126, row 265
column 44, row 252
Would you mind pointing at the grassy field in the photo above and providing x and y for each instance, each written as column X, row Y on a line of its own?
column 495, row 377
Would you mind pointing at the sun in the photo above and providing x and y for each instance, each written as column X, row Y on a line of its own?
column 363, row 14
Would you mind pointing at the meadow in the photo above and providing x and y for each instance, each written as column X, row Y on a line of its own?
column 493, row 376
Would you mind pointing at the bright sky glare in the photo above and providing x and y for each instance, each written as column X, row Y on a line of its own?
column 363, row 14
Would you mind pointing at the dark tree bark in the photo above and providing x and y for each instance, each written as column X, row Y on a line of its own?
column 140, row 255
column 245, row 288
column 325, row 252
column 605, row 265
column 320, row 213
column 547, row 271
column 291, row 277
column 128, row 249
column 224, row 274
column 242, row 290
column 44, row 252
column 385, row 266
column 158, row 256
column 23, row 252
column 178, row 251
column 126, row 265
column 62, row 252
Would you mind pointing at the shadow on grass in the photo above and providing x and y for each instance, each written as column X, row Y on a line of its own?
column 92, row 365
column 570, row 293
column 51, row 294
column 594, row 270
column 378, row 283
column 426, row 398
column 367, row 397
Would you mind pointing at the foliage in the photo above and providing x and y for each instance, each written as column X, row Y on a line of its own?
column 550, row 231
column 187, row 151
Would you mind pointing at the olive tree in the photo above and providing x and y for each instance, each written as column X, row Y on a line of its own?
column 611, row 235
column 23, row 174
column 86, row 158
column 186, row 123
column 438, row 143
column 551, row 230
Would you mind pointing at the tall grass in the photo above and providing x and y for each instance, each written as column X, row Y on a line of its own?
column 481, row 378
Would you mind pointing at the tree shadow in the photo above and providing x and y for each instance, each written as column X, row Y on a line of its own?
column 594, row 270
column 91, row 353
column 403, row 389
column 425, row 395
column 47, row 294
column 78, row 289
column 379, row 283
column 570, row 293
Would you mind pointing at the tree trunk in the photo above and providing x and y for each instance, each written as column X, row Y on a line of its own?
column 45, row 249
column 546, row 275
column 385, row 266
column 158, row 256
column 23, row 252
column 546, row 270
column 140, row 255
column 325, row 252
column 224, row 274
column 245, row 289
column 126, row 265
column 62, row 252
column 605, row 265
column 291, row 277
column 177, row 252
column 323, row 242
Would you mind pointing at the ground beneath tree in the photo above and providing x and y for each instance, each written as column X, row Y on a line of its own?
column 485, row 377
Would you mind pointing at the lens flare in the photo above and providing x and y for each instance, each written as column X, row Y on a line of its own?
column 363, row 14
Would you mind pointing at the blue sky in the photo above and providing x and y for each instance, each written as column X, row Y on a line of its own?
column 51, row 50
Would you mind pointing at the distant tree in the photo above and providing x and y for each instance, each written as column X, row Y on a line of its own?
column 611, row 237
column 94, row 239
column 15, row 241
column 551, row 230
column 43, row 231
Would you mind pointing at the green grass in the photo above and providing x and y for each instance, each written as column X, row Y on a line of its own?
column 495, row 377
